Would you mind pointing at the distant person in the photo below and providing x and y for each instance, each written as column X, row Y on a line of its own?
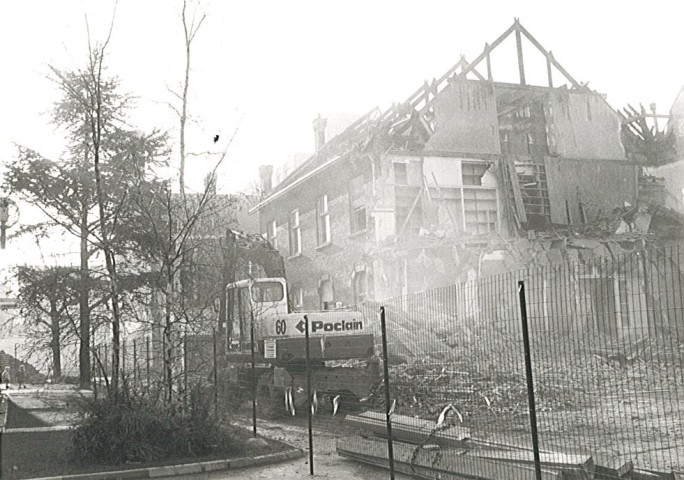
column 6, row 377
column 21, row 376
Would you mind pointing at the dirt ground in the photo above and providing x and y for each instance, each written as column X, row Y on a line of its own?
column 327, row 464
column 646, row 428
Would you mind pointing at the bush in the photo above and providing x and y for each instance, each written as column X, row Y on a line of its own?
column 129, row 427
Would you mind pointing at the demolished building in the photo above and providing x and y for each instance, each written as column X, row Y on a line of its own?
column 426, row 193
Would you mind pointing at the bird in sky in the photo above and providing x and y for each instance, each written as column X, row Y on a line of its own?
column 216, row 138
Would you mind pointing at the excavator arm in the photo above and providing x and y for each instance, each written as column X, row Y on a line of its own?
column 255, row 249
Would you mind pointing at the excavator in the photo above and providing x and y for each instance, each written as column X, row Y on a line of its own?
column 343, row 366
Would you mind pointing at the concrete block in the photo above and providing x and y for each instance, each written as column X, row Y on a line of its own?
column 168, row 471
column 215, row 465
column 242, row 462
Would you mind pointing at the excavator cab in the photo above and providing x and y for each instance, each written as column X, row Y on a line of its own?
column 254, row 300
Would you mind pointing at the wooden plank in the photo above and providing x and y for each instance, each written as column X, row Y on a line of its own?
column 549, row 57
column 412, row 433
column 417, row 423
column 649, row 475
column 444, row 463
column 517, row 192
column 483, row 55
column 410, row 212
column 518, row 46
column 444, row 203
column 550, row 459
column 465, row 64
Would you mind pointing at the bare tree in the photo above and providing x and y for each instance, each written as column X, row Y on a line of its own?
column 190, row 29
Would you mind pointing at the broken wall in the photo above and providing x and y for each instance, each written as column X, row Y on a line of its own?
column 673, row 173
column 466, row 119
column 580, row 191
column 582, row 126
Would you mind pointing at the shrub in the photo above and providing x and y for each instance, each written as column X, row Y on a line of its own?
column 129, row 427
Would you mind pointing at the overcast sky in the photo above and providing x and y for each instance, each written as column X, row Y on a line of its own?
column 268, row 67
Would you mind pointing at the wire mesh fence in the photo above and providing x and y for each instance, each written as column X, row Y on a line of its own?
column 606, row 349
column 606, row 353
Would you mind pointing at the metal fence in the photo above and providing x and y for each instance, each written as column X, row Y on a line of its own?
column 606, row 352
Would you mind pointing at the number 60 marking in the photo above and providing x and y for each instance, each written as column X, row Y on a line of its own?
column 280, row 327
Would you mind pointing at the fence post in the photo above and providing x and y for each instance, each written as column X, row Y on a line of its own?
column 122, row 364
column 147, row 359
column 215, row 378
column 185, row 373
column 388, row 417
column 254, row 382
column 93, row 369
column 308, row 394
column 106, row 362
column 135, row 363
column 530, row 382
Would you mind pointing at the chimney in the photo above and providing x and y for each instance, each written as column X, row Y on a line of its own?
column 319, row 125
column 265, row 179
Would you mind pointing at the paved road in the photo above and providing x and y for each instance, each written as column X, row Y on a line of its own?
column 327, row 464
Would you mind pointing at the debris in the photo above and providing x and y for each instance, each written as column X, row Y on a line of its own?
column 410, row 430
column 448, row 463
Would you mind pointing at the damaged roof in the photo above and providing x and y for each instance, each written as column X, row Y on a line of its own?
column 426, row 111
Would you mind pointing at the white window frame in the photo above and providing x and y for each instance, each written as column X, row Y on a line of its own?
column 272, row 233
column 295, row 233
column 360, row 297
column 405, row 174
column 297, row 297
column 356, row 204
column 323, row 220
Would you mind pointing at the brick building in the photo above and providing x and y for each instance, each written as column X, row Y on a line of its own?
column 406, row 199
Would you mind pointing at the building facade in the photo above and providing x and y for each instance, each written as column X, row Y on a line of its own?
column 414, row 197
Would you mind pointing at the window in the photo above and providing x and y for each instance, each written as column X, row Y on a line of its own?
column 358, row 219
column 360, row 284
column 239, row 309
column 295, row 234
column 357, row 205
column 325, row 293
column 267, row 292
column 472, row 173
column 297, row 298
column 530, row 142
column 400, row 174
column 523, row 112
column 323, row 220
column 272, row 234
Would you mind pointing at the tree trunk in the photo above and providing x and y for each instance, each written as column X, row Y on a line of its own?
column 84, row 307
column 110, row 261
column 168, row 337
column 55, row 342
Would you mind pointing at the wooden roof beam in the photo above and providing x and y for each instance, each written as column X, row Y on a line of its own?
column 483, row 55
column 518, row 47
column 549, row 56
column 465, row 64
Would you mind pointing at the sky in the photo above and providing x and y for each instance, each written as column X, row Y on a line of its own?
column 263, row 70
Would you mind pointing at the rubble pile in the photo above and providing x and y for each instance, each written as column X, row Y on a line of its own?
column 422, row 389
column 425, row 449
